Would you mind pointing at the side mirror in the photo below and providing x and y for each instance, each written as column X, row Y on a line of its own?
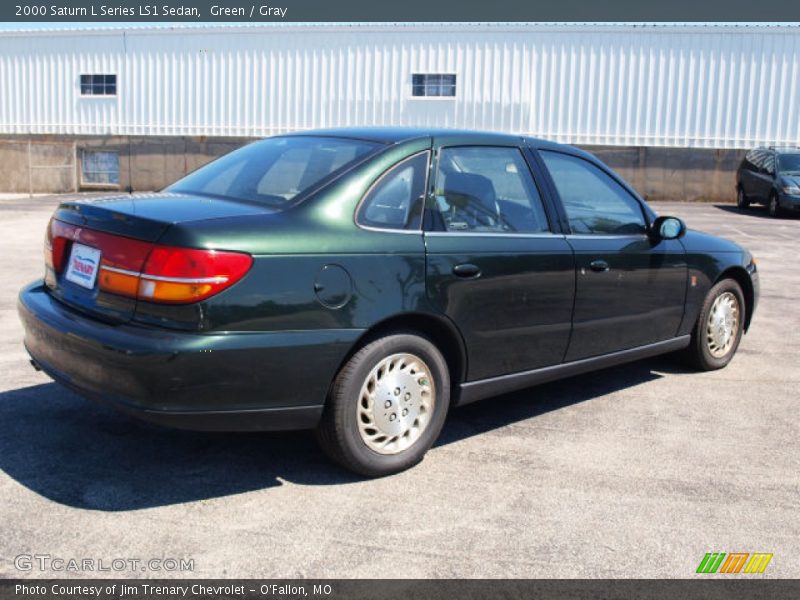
column 667, row 228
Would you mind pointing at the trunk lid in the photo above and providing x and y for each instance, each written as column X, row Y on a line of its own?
column 92, row 236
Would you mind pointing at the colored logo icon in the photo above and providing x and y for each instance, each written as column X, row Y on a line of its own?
column 734, row 562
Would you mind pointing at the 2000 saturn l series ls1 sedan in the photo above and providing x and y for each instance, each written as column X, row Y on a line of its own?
column 362, row 282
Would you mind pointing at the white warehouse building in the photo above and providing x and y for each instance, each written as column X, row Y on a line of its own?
column 671, row 106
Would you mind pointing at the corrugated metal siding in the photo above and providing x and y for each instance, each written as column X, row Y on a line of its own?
column 713, row 87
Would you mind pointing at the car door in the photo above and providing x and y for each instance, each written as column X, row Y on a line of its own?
column 758, row 181
column 630, row 291
column 494, row 265
column 747, row 173
column 767, row 180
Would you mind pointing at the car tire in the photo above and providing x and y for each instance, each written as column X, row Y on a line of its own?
column 719, row 327
column 774, row 207
column 386, row 406
column 741, row 200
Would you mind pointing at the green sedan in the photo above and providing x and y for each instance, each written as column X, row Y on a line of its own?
column 363, row 282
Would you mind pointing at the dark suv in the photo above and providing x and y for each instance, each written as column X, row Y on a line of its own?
column 770, row 176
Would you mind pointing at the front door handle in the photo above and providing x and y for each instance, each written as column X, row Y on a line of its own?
column 599, row 266
column 467, row 271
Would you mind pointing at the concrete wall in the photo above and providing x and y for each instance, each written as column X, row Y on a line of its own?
column 30, row 166
column 684, row 174
column 51, row 164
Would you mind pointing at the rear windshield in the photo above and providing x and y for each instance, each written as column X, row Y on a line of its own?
column 274, row 171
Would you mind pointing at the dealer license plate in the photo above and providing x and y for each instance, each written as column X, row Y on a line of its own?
column 84, row 262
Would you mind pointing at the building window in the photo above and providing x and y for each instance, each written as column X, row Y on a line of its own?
column 99, row 168
column 433, row 85
column 98, row 85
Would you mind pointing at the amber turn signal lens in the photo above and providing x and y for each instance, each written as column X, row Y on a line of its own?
column 123, row 284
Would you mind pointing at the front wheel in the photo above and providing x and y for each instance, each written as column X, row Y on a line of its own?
column 387, row 406
column 719, row 327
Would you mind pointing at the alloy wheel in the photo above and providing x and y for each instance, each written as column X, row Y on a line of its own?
column 396, row 403
column 722, row 326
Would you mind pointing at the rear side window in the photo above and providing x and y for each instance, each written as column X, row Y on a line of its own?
column 397, row 199
column 595, row 203
column 757, row 158
column 748, row 162
column 486, row 189
column 275, row 171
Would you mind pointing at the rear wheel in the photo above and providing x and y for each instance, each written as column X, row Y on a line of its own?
column 387, row 406
column 774, row 208
column 719, row 327
column 741, row 199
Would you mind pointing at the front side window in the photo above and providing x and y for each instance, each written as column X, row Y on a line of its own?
column 485, row 189
column 396, row 201
column 275, row 171
column 789, row 163
column 595, row 203
column 98, row 85
column 433, row 85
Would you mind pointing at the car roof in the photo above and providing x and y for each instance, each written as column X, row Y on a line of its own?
column 786, row 150
column 396, row 135
column 778, row 149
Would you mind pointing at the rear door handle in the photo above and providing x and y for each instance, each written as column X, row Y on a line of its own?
column 467, row 271
column 599, row 266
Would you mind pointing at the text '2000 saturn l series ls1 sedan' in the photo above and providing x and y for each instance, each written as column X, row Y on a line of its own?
column 362, row 282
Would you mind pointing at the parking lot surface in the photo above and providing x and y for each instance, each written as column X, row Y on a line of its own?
column 635, row 471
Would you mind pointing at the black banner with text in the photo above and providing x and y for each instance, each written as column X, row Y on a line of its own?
column 197, row 11
column 395, row 589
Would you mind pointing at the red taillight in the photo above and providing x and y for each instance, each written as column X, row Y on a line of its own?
column 121, row 263
column 55, row 244
column 180, row 275
column 143, row 270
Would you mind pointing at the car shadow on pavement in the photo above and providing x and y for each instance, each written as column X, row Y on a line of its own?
column 493, row 413
column 87, row 456
column 84, row 455
column 751, row 211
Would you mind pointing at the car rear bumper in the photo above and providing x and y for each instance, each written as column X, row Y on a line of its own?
column 231, row 381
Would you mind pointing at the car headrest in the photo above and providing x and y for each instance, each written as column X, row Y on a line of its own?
column 459, row 188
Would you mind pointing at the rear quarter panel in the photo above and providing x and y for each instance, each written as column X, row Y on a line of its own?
column 385, row 271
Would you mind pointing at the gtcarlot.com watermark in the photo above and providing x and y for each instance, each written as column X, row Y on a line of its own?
column 61, row 564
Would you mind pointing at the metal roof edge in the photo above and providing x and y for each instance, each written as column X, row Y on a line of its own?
column 217, row 28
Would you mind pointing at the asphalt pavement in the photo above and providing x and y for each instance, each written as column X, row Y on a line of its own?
column 635, row 471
